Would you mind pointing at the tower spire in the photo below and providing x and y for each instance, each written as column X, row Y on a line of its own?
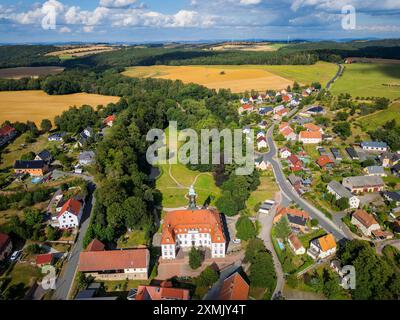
column 192, row 198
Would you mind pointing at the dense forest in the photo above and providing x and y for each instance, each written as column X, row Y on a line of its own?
column 26, row 56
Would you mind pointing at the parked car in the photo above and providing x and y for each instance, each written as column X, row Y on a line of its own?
column 236, row 241
column 15, row 255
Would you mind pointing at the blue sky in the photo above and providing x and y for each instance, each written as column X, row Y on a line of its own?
column 191, row 20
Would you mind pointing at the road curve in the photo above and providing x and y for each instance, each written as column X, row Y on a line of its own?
column 289, row 193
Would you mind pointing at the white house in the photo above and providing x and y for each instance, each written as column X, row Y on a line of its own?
column 260, row 134
column 278, row 108
column 86, row 158
column 322, row 247
column 261, row 164
column 376, row 146
column 184, row 229
column 261, row 143
column 70, row 215
column 284, row 153
column 308, row 137
column 339, row 191
column 377, row 171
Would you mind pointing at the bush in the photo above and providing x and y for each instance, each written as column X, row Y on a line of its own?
column 245, row 229
column 195, row 258
column 207, row 278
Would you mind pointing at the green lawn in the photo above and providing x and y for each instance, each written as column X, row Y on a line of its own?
column 174, row 194
column 265, row 191
column 369, row 79
column 132, row 239
column 306, row 238
column 377, row 119
column 321, row 72
column 14, row 151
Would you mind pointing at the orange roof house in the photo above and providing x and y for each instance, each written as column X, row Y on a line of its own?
column 310, row 135
column 281, row 211
column 100, row 261
column 109, row 120
column 324, row 162
column 312, row 127
column 163, row 292
column 72, row 206
column 327, row 242
column 234, row 288
column 181, row 221
column 365, row 218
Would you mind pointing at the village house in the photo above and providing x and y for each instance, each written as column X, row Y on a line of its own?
column 165, row 291
column 246, row 108
column 262, row 143
column 308, row 137
column 84, row 136
column 392, row 196
column 289, row 134
column 396, row 169
column 44, row 259
column 263, row 124
column 311, row 127
column 184, row 229
column 45, row 156
column 281, row 113
column 284, row 153
column 365, row 222
column 375, row 146
column 5, row 246
column 295, row 163
column 388, row 159
column 86, row 158
column 109, row 121
column 297, row 218
column 325, row 162
column 7, row 133
column 261, row 163
column 352, row 153
column 377, row 171
column 265, row 111
column 322, row 247
column 234, row 288
column 132, row 264
column 260, row 133
column 336, row 154
column 57, row 137
column 339, row 191
column 35, row 168
column 244, row 101
column 361, row 184
column 278, row 108
column 296, row 245
column 315, row 110
column 70, row 214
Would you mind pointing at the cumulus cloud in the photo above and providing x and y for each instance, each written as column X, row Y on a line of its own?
column 65, row 30
column 250, row 2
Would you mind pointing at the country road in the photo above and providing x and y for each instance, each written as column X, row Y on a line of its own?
column 337, row 75
column 289, row 194
column 65, row 281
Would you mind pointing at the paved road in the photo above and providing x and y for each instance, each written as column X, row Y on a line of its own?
column 289, row 194
column 266, row 221
column 64, row 282
column 337, row 75
column 380, row 245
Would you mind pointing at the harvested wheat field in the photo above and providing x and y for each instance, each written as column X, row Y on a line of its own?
column 236, row 78
column 37, row 105
column 29, row 72
column 239, row 78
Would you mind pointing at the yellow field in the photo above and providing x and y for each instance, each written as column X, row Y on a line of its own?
column 236, row 78
column 37, row 105
column 80, row 51
column 240, row 78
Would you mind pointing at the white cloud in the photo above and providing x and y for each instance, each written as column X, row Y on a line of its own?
column 65, row 30
column 250, row 2
column 116, row 3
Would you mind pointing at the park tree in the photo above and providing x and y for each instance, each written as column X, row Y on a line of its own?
column 262, row 271
column 343, row 203
column 245, row 229
column 254, row 247
column 282, row 228
column 207, row 277
column 342, row 129
column 195, row 258
column 45, row 125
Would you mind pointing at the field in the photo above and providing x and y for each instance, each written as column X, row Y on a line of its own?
column 369, row 80
column 240, row 78
column 37, row 105
column 79, row 51
column 23, row 72
column 248, row 46
column 377, row 119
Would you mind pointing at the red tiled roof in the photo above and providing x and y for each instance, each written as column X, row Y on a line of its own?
column 310, row 135
column 4, row 241
column 180, row 221
column 262, row 138
column 366, row 219
column 72, row 205
column 247, row 106
column 6, row 130
column 295, row 241
column 95, row 245
column 109, row 119
column 162, row 292
column 293, row 159
column 234, row 288
column 281, row 211
column 42, row 259
column 324, row 160
column 312, row 127
column 287, row 131
column 113, row 260
column 282, row 111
